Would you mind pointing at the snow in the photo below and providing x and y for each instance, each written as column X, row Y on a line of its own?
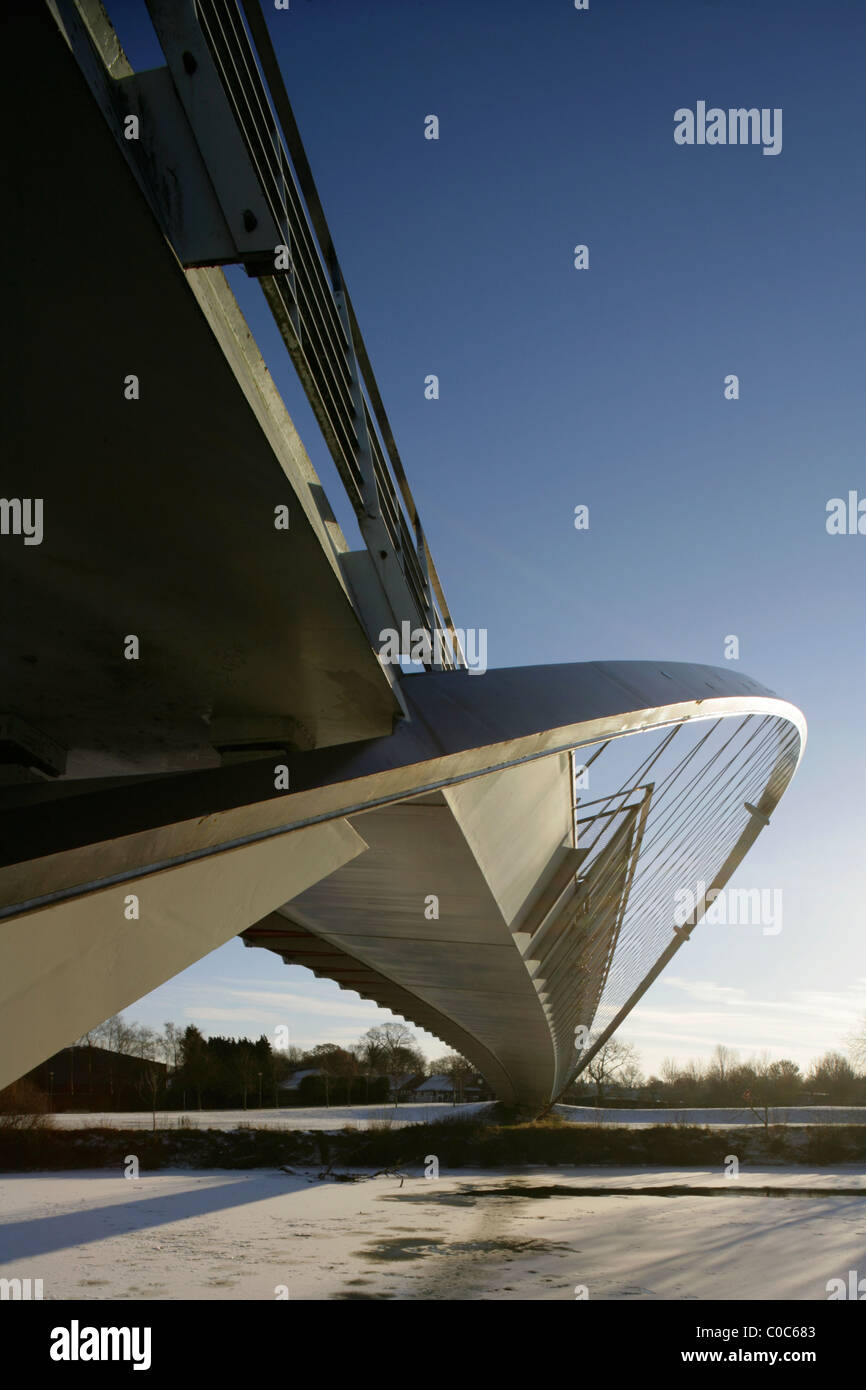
column 779, row 1115
column 362, row 1116
column 321, row 1117
column 294, row 1081
column 245, row 1235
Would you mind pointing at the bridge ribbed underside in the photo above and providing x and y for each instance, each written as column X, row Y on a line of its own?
column 474, row 914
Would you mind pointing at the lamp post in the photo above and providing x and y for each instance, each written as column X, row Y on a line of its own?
column 260, row 1090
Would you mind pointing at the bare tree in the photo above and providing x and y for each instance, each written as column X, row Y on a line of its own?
column 458, row 1071
column 611, row 1064
column 723, row 1061
column 395, row 1046
column 151, row 1050
column 113, row 1035
column 173, row 1045
column 669, row 1071
column 856, row 1044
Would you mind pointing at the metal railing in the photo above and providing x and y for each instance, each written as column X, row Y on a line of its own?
column 291, row 252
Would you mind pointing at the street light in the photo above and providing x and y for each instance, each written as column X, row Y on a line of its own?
column 260, row 1090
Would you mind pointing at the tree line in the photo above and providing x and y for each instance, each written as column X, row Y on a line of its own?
column 179, row 1069
column 724, row 1079
column 126, row 1066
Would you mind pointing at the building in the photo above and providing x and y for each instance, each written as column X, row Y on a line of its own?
column 443, row 1088
column 96, row 1078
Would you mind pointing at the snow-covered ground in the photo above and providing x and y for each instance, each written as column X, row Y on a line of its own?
column 255, row 1235
column 780, row 1115
column 362, row 1116
column 313, row 1117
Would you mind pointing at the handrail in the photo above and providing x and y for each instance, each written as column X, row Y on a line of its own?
column 315, row 316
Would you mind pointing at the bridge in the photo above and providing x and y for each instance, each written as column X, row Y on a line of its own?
column 200, row 736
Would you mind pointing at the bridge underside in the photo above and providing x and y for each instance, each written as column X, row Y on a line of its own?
column 441, row 871
column 160, row 507
column 427, row 920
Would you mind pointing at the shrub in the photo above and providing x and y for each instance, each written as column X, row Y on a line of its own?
column 831, row 1144
column 24, row 1106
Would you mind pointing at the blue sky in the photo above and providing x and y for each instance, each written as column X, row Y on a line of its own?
column 605, row 387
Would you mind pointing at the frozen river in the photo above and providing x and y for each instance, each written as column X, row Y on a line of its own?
column 546, row 1233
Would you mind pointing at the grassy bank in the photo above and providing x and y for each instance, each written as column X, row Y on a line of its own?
column 460, row 1143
